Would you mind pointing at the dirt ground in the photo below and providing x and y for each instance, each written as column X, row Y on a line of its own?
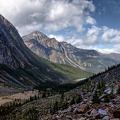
column 22, row 95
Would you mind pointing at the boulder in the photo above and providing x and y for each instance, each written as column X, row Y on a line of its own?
column 94, row 111
column 103, row 112
column 106, row 118
column 82, row 109
column 69, row 117
column 83, row 118
column 61, row 116
column 116, row 114
column 99, row 116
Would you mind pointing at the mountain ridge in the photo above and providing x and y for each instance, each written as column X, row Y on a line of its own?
column 21, row 67
column 65, row 53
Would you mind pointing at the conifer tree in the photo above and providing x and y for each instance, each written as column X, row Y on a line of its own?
column 96, row 98
column 118, row 91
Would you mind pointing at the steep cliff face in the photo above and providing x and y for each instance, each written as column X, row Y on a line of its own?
column 11, row 48
column 20, row 67
column 64, row 53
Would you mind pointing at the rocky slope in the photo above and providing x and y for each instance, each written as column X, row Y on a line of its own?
column 11, row 47
column 97, row 99
column 64, row 53
column 100, row 99
column 19, row 66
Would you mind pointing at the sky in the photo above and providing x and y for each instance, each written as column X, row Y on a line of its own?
column 87, row 24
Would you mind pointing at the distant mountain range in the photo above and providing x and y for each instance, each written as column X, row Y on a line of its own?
column 20, row 67
column 64, row 53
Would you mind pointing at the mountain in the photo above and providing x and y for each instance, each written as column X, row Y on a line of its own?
column 20, row 67
column 64, row 53
column 115, row 56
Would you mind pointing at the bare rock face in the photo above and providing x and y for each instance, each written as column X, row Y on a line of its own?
column 64, row 53
column 11, row 52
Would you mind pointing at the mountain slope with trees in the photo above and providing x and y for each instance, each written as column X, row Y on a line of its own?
column 97, row 98
column 20, row 67
column 64, row 53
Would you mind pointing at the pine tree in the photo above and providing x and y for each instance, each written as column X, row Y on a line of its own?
column 65, row 105
column 62, row 95
column 79, row 99
column 72, row 101
column 31, row 98
column 55, row 106
column 96, row 98
column 99, row 86
column 107, row 98
column 35, row 97
column 118, row 91
column 43, row 95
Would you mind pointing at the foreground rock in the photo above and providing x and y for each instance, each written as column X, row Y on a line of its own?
column 86, row 111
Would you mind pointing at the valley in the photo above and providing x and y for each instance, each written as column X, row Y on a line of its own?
column 22, row 68
column 90, row 100
column 57, row 62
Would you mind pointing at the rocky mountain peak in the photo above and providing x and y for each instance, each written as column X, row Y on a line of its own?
column 37, row 35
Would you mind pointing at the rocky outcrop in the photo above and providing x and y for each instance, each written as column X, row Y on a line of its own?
column 104, row 111
column 87, row 110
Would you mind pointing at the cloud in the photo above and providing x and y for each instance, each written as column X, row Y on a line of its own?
column 104, row 40
column 59, row 38
column 92, row 35
column 51, row 15
column 91, row 38
column 104, row 50
column 90, row 20
column 102, row 36
column 114, row 49
column 117, row 48
column 57, row 15
column 110, row 35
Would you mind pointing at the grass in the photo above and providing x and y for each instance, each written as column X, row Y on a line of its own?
column 71, row 72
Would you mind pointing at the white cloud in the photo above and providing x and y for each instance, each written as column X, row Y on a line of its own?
column 28, row 28
column 110, row 35
column 59, row 38
column 55, row 15
column 90, row 38
column 92, row 35
column 94, row 40
column 117, row 48
column 114, row 49
column 51, row 15
column 77, row 42
column 90, row 20
column 105, row 50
